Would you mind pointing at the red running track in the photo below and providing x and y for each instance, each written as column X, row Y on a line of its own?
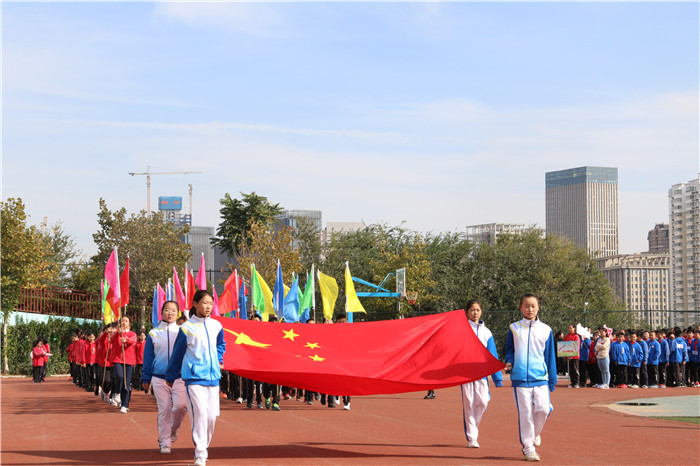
column 57, row 423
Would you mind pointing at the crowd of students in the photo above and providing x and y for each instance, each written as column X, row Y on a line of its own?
column 634, row 359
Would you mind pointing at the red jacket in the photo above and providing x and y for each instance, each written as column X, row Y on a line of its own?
column 38, row 354
column 70, row 349
column 90, row 352
column 129, row 354
column 80, row 351
column 574, row 337
column 138, row 349
column 46, row 356
column 102, row 349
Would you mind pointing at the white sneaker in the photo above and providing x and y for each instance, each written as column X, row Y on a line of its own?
column 473, row 444
column 118, row 398
column 533, row 456
column 165, row 449
column 239, row 401
column 173, row 437
column 113, row 402
column 538, row 441
column 605, row 387
column 347, row 406
column 124, row 409
column 201, row 461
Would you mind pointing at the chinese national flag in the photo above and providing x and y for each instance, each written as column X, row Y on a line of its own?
column 366, row 358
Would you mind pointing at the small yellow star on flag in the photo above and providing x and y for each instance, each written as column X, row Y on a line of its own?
column 289, row 334
column 312, row 345
column 316, row 357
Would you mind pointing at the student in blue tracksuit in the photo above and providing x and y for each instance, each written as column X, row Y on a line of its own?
column 653, row 360
column 695, row 359
column 663, row 358
column 198, row 357
column 636, row 358
column 475, row 395
column 643, row 340
column 620, row 353
column 156, row 355
column 531, row 358
column 678, row 356
column 584, row 354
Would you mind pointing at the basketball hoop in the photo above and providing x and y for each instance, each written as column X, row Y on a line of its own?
column 412, row 297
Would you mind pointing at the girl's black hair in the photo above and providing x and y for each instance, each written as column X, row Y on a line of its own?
column 89, row 333
column 36, row 342
column 528, row 295
column 470, row 303
column 170, row 301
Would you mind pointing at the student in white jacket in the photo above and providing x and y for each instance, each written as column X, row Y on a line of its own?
column 531, row 357
column 157, row 352
column 476, row 395
column 198, row 356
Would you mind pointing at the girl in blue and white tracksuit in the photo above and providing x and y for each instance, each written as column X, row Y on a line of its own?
column 157, row 352
column 475, row 395
column 531, row 357
column 198, row 356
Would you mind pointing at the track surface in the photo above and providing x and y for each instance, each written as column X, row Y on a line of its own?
column 57, row 423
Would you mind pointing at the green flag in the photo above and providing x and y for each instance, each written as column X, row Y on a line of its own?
column 306, row 299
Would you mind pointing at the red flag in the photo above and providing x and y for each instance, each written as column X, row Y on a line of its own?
column 161, row 300
column 189, row 288
column 124, row 284
column 365, row 358
column 228, row 301
column 179, row 294
column 215, row 308
column 112, row 278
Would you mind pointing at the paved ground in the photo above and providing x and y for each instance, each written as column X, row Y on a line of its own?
column 56, row 423
column 678, row 406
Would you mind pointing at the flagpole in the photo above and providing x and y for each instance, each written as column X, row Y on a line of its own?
column 313, row 292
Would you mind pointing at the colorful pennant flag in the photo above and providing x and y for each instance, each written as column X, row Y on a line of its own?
column 228, row 301
column 112, row 279
column 242, row 301
column 189, row 289
column 179, row 294
column 124, row 285
column 352, row 302
column 278, row 293
column 215, row 308
column 291, row 303
column 366, row 358
column 329, row 294
column 201, row 280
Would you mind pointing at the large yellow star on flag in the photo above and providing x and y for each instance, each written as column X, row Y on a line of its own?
column 243, row 339
column 312, row 345
column 317, row 358
column 289, row 334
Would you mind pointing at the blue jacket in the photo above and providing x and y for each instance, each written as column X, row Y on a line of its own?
column 663, row 357
column 158, row 349
column 695, row 350
column 198, row 352
column 620, row 353
column 654, row 353
column 583, row 351
column 530, row 349
column 645, row 348
column 636, row 354
column 486, row 337
column 678, row 350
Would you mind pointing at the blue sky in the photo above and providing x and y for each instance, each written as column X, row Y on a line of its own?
column 441, row 115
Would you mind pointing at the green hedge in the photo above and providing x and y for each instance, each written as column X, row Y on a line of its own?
column 21, row 337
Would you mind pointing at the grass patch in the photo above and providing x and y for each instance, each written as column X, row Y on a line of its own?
column 689, row 419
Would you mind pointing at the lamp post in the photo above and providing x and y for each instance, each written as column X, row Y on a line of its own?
column 585, row 312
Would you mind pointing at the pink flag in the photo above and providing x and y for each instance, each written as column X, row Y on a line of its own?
column 179, row 294
column 201, row 280
column 112, row 278
column 215, row 309
column 161, row 300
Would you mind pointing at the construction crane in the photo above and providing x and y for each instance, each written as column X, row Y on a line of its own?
column 148, row 174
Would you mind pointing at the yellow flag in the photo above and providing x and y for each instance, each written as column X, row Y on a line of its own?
column 329, row 294
column 267, row 293
column 352, row 303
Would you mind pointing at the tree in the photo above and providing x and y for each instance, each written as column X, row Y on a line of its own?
column 25, row 258
column 153, row 246
column 64, row 252
column 236, row 216
column 263, row 246
column 308, row 243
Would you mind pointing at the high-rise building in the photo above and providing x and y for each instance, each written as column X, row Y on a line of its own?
column 684, row 232
column 489, row 232
column 582, row 204
column 641, row 280
column 289, row 218
column 658, row 238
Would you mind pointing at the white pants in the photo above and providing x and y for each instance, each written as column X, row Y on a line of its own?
column 203, row 408
column 533, row 409
column 171, row 409
column 475, row 399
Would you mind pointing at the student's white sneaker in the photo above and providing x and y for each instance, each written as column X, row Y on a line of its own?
column 538, row 441
column 165, row 449
column 173, row 437
column 346, row 406
column 533, row 456
column 473, row 444
column 118, row 399
column 113, row 402
column 124, row 409
column 239, row 401
column 201, row 461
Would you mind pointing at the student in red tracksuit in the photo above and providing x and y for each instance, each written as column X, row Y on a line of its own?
column 89, row 358
column 46, row 358
column 104, row 366
column 573, row 361
column 70, row 349
column 80, row 359
column 38, row 353
column 123, row 357
column 138, row 351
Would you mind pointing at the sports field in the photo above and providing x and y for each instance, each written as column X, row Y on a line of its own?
column 57, row 423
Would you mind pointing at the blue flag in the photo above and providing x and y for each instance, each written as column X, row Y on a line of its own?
column 156, row 307
column 278, row 293
column 291, row 303
column 242, row 301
